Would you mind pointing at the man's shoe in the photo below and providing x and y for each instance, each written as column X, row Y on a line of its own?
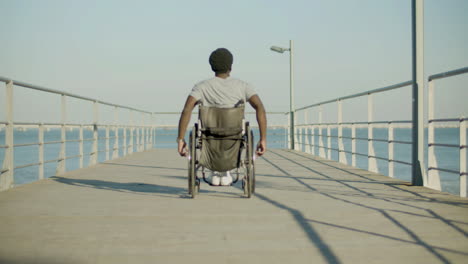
column 215, row 179
column 226, row 180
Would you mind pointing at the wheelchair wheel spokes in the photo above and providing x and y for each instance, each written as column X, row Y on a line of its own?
column 248, row 179
column 252, row 170
column 193, row 183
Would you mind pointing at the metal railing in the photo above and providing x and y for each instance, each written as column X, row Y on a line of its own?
column 307, row 131
column 433, row 169
column 305, row 135
column 136, row 137
column 275, row 138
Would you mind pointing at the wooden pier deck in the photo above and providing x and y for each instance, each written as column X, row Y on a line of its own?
column 306, row 210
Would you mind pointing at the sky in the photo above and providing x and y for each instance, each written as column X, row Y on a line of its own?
column 149, row 54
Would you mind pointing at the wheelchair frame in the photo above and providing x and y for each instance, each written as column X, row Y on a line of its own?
column 247, row 163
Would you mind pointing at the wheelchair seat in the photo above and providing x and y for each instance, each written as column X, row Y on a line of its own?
column 221, row 141
column 221, row 131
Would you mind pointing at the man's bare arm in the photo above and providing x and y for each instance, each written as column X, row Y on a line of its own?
column 183, row 123
column 257, row 104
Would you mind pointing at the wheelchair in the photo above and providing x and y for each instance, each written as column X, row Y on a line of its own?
column 221, row 141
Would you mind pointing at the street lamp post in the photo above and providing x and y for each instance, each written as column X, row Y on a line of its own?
column 291, row 88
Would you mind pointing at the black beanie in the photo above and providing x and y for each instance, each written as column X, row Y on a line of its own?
column 221, row 60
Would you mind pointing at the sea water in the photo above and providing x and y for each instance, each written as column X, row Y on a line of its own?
column 447, row 158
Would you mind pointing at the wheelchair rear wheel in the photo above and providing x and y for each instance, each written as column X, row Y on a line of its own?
column 253, row 162
column 249, row 178
column 193, row 184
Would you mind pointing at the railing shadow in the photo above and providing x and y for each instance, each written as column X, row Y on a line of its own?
column 309, row 230
column 127, row 187
column 142, row 166
column 384, row 212
column 396, row 186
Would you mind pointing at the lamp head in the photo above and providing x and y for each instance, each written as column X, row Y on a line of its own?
column 278, row 49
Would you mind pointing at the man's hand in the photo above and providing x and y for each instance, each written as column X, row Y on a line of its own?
column 261, row 147
column 182, row 148
column 183, row 123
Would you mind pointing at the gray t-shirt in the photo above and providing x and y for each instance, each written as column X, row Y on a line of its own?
column 221, row 92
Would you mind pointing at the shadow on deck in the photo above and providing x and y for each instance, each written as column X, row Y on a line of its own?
column 306, row 210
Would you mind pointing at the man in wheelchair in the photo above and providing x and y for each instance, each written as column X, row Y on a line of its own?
column 221, row 101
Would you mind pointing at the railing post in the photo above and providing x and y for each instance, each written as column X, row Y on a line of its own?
column 289, row 132
column 306, row 132
column 107, row 142
column 93, row 158
column 463, row 156
column 61, row 165
column 329, row 145
column 148, row 134
column 81, row 146
column 312, row 144
column 341, row 153
column 321, row 146
column 152, row 131
column 40, row 137
column 143, row 132
column 296, row 131
column 124, row 146
column 115, row 150
column 391, row 163
column 372, row 161
column 299, row 140
column 7, row 176
column 353, row 144
column 137, row 138
column 433, row 176
column 130, row 145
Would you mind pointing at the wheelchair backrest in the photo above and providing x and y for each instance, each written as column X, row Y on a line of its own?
column 221, row 121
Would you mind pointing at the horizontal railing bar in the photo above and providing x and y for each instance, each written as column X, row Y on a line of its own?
column 359, row 138
column 400, row 142
column 72, row 157
column 357, row 123
column 448, row 120
column 28, row 165
column 318, row 124
column 387, row 88
column 360, row 154
column 79, row 125
column 378, row 140
column 3, row 146
column 443, row 145
column 26, row 144
column 50, row 161
column 444, row 170
column 346, row 151
column 52, row 142
column 73, row 140
column 402, row 162
column 448, row 74
column 39, row 88
column 49, row 124
column 377, row 122
column 3, row 171
column 377, row 157
column 401, row 121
